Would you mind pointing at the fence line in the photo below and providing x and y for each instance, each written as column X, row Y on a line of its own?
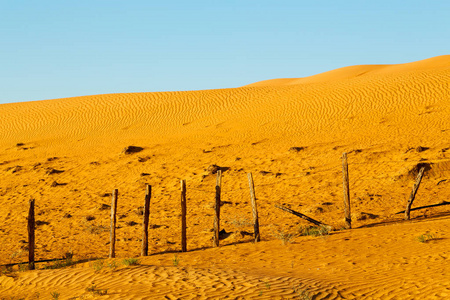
column 218, row 202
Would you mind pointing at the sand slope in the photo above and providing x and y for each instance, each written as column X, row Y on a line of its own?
column 378, row 114
column 348, row 73
column 383, row 262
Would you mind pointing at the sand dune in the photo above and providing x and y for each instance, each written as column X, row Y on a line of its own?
column 67, row 154
column 382, row 262
column 440, row 63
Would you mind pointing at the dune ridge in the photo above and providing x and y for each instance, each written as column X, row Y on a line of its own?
column 351, row 72
column 290, row 133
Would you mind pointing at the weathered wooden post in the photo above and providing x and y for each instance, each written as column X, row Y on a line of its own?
column 254, row 208
column 148, row 196
column 413, row 193
column 31, row 236
column 112, row 236
column 183, row 216
column 217, row 207
column 348, row 218
column 305, row 217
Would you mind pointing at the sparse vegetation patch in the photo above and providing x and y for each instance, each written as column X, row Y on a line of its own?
column 58, row 264
column 175, row 260
column 301, row 294
column 283, row 236
column 425, row 238
column 241, row 221
column 55, row 295
column 313, row 230
column 96, row 291
column 93, row 228
column 98, row 265
column 130, row 262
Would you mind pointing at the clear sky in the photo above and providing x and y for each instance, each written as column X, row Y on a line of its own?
column 62, row 48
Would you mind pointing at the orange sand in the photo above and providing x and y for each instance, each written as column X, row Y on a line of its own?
column 378, row 114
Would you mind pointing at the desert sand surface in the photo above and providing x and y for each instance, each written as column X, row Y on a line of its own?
column 67, row 154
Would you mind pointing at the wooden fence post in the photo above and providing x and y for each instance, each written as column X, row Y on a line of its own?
column 148, row 196
column 112, row 236
column 183, row 216
column 217, row 207
column 31, row 236
column 348, row 218
column 413, row 193
column 254, row 208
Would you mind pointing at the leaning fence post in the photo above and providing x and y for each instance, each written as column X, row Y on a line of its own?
column 31, row 236
column 348, row 218
column 217, row 207
column 148, row 196
column 183, row 216
column 254, row 208
column 305, row 217
column 413, row 193
column 112, row 236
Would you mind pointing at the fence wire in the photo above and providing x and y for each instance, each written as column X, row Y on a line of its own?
column 370, row 185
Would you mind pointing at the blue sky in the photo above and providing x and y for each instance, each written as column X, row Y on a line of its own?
column 56, row 49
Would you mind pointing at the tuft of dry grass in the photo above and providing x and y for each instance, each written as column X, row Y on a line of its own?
column 58, row 264
column 425, row 238
column 96, row 291
column 313, row 230
column 283, row 236
column 240, row 221
column 98, row 265
column 94, row 228
column 130, row 262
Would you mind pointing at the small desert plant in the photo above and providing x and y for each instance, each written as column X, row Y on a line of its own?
column 98, row 265
column 6, row 270
column 314, row 230
column 175, row 260
column 301, row 294
column 96, row 291
column 93, row 228
column 23, row 267
column 112, row 265
column 58, row 264
column 282, row 236
column 130, row 261
column 424, row 238
column 67, row 262
column 55, row 295
column 241, row 221
column 17, row 253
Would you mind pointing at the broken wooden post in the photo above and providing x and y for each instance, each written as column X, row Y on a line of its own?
column 254, row 208
column 148, row 196
column 31, row 236
column 217, row 208
column 413, row 193
column 348, row 218
column 112, row 236
column 183, row 216
column 315, row 222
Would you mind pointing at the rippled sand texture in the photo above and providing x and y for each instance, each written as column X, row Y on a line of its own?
column 68, row 155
